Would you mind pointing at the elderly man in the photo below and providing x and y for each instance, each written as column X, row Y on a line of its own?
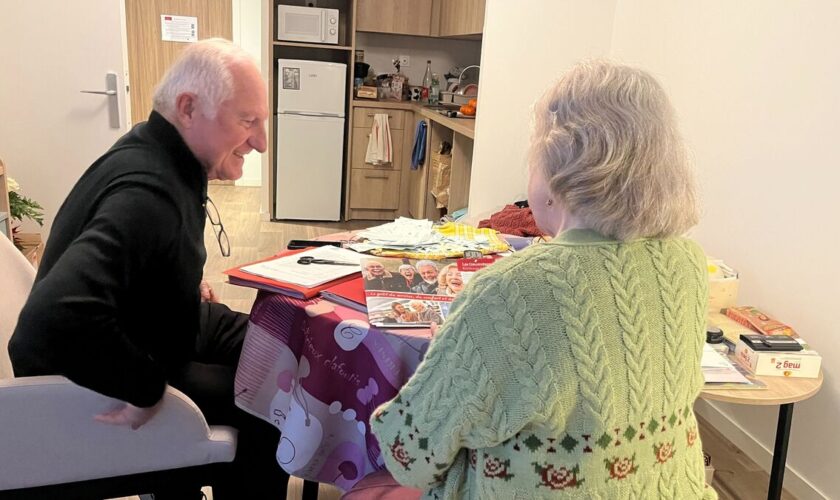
column 116, row 305
column 429, row 272
column 378, row 278
column 425, row 313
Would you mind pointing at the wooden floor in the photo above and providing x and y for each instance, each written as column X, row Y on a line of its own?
column 737, row 477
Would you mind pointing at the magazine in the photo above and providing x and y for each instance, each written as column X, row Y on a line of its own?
column 410, row 293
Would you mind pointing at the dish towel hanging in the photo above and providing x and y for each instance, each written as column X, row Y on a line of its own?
column 418, row 152
column 380, row 149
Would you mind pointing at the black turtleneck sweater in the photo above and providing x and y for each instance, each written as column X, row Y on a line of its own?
column 115, row 303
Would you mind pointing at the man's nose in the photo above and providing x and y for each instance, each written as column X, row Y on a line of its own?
column 258, row 139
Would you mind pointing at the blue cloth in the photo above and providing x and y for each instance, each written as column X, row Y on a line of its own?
column 418, row 152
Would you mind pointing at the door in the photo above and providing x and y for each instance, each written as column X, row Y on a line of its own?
column 149, row 56
column 309, row 165
column 311, row 87
column 50, row 132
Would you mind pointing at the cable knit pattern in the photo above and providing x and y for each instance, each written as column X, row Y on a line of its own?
column 570, row 289
column 673, row 294
column 625, row 282
column 568, row 370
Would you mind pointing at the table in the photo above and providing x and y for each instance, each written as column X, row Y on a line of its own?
column 297, row 362
column 780, row 391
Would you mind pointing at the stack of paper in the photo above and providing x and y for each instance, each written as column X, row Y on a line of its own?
column 720, row 373
column 285, row 274
column 289, row 269
column 420, row 239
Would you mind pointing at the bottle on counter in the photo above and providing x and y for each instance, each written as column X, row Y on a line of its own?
column 434, row 90
column 427, row 83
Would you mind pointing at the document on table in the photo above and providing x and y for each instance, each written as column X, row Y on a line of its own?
column 289, row 270
column 717, row 369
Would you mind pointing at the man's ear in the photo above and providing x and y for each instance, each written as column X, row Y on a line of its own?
column 186, row 105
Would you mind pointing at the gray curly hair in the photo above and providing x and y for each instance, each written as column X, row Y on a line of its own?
column 606, row 140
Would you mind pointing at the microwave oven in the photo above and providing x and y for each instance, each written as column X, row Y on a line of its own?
column 307, row 24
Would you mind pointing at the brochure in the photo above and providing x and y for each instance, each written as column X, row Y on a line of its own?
column 411, row 293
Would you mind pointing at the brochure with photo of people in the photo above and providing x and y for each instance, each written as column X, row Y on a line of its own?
column 410, row 293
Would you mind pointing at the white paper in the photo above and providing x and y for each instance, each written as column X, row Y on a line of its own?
column 717, row 369
column 713, row 359
column 178, row 28
column 288, row 270
column 403, row 232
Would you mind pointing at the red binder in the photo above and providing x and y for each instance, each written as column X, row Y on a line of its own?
column 348, row 293
column 240, row 278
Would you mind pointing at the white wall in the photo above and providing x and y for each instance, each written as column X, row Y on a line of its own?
column 757, row 86
column 381, row 49
column 526, row 45
column 247, row 32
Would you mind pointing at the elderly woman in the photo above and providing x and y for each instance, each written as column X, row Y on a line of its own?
column 410, row 275
column 450, row 281
column 570, row 369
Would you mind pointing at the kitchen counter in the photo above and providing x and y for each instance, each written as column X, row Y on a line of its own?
column 463, row 126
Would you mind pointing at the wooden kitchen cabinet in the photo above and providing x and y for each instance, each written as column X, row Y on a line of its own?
column 378, row 192
column 461, row 17
column 406, row 17
column 375, row 189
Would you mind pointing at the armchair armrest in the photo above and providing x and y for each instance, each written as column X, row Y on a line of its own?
column 48, row 435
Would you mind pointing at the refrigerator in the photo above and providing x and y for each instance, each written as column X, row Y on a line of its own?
column 310, row 139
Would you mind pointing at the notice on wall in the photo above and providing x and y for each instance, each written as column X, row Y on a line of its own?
column 178, row 28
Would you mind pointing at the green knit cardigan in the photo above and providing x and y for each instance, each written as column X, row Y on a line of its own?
column 567, row 370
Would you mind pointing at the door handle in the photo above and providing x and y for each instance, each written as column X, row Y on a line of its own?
column 113, row 98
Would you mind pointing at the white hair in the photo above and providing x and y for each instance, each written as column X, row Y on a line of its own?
column 606, row 140
column 203, row 68
column 424, row 263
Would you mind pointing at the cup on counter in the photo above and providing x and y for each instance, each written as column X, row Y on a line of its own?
column 414, row 92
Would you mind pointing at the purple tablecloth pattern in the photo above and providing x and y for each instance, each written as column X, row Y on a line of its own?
column 317, row 370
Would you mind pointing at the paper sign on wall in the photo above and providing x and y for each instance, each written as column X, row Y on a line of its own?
column 178, row 28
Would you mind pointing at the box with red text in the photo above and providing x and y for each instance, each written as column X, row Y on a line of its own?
column 802, row 364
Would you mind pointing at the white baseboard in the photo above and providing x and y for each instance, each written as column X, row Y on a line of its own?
column 794, row 483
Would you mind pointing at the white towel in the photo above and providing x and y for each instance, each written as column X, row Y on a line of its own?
column 379, row 150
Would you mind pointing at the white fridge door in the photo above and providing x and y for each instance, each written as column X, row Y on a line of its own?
column 309, row 166
column 311, row 87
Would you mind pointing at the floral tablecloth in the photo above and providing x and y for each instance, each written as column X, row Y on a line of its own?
column 317, row 370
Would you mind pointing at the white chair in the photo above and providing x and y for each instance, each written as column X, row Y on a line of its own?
column 50, row 446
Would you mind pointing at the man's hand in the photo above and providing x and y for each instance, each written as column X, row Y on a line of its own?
column 128, row 414
column 207, row 294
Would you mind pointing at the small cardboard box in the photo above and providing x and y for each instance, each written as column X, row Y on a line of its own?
column 802, row 364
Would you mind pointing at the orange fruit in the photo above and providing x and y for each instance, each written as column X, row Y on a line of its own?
column 468, row 110
column 473, row 103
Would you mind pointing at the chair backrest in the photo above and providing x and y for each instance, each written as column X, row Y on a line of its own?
column 17, row 277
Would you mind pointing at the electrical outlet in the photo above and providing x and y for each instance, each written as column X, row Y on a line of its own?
column 405, row 61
